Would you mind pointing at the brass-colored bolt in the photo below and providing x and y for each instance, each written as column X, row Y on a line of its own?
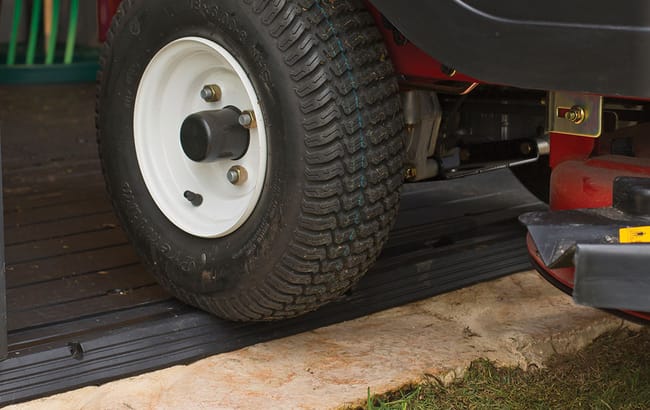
column 237, row 175
column 211, row 93
column 247, row 119
column 410, row 173
column 576, row 114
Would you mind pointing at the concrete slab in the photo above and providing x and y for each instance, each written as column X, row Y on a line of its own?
column 517, row 320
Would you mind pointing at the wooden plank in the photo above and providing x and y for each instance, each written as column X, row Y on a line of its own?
column 61, row 333
column 52, row 181
column 26, row 273
column 46, row 150
column 96, row 284
column 20, row 179
column 53, row 169
column 49, row 248
column 25, row 157
column 83, row 308
column 44, row 123
column 75, row 182
column 27, row 197
column 60, row 228
column 40, row 198
column 67, row 256
column 47, row 201
column 83, row 207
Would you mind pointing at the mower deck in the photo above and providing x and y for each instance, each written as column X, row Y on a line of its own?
column 594, row 201
column 563, row 279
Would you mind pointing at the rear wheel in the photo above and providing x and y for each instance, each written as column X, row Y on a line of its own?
column 252, row 150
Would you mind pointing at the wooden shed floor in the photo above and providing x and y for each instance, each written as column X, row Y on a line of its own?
column 67, row 258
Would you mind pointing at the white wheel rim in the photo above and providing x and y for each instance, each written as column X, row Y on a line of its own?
column 169, row 91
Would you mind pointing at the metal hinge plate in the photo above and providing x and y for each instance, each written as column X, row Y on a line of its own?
column 575, row 113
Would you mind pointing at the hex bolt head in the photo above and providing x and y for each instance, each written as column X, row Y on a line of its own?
column 233, row 176
column 211, row 93
column 247, row 119
column 576, row 114
column 237, row 175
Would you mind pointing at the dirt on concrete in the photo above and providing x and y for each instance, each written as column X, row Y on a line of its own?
column 517, row 320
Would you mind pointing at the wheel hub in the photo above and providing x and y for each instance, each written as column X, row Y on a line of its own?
column 189, row 134
column 210, row 136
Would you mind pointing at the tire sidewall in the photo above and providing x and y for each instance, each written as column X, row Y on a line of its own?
column 192, row 263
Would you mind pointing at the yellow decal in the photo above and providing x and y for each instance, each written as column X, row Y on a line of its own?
column 635, row 234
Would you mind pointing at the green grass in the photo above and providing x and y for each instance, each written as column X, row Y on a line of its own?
column 611, row 373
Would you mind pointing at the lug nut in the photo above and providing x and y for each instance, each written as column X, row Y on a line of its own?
column 233, row 176
column 247, row 119
column 237, row 175
column 194, row 198
column 211, row 93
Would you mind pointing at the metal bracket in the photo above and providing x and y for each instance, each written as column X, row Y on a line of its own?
column 575, row 113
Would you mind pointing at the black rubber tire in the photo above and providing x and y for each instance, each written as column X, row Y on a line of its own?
column 334, row 125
